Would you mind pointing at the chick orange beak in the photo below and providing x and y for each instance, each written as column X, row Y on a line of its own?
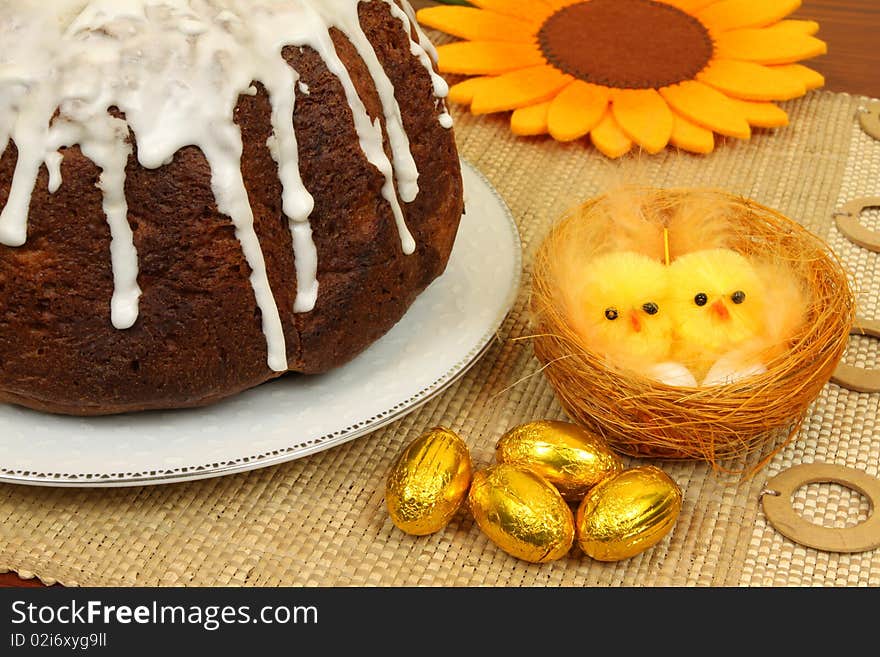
column 635, row 322
column 720, row 310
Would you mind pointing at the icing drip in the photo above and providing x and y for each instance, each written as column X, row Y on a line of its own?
column 423, row 48
column 25, row 106
column 296, row 202
column 101, row 139
column 175, row 70
column 404, row 164
column 426, row 53
column 231, row 197
column 369, row 132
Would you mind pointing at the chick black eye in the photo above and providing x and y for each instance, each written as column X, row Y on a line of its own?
column 701, row 299
column 611, row 313
column 651, row 308
column 738, row 297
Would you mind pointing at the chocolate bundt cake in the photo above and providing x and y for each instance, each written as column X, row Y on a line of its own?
column 199, row 196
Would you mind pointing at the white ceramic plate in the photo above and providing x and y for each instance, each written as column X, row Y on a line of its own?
column 443, row 334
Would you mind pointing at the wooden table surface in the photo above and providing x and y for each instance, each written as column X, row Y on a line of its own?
column 850, row 27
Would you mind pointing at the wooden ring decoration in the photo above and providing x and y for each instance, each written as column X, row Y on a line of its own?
column 854, row 378
column 777, row 501
column 869, row 119
column 848, row 222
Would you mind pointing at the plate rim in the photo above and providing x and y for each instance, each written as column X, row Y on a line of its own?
column 328, row 441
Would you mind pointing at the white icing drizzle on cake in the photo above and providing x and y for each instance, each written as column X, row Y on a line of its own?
column 427, row 54
column 175, row 70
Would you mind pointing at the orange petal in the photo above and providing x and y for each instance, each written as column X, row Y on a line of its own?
column 767, row 45
column 476, row 24
column 556, row 5
column 690, row 6
column 809, row 78
column 733, row 14
column 762, row 115
column 487, row 57
column 691, row 137
column 533, row 11
column 464, row 91
column 707, row 107
column 751, row 81
column 644, row 117
column 577, row 110
column 530, row 121
column 519, row 89
column 609, row 138
column 800, row 26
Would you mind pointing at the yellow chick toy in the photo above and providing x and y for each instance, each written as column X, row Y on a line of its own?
column 786, row 303
column 717, row 299
column 616, row 308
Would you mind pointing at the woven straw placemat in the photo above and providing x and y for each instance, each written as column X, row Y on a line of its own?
column 321, row 520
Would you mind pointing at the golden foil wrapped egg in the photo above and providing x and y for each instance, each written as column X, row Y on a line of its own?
column 627, row 513
column 521, row 512
column 567, row 455
column 428, row 482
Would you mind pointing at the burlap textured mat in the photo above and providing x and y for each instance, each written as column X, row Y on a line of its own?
column 321, row 520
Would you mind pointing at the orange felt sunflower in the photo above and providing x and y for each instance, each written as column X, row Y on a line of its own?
column 629, row 72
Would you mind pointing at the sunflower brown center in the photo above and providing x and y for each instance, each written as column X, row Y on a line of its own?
column 627, row 44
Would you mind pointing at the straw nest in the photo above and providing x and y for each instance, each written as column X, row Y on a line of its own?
column 721, row 424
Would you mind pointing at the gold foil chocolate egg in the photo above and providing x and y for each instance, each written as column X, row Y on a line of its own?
column 568, row 456
column 627, row 513
column 428, row 482
column 521, row 512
